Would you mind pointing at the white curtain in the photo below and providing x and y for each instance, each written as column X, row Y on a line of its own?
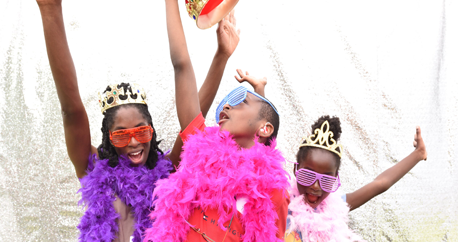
column 382, row 67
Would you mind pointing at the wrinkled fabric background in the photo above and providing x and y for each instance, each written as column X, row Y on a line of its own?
column 383, row 67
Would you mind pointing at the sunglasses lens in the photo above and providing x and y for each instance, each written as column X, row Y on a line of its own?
column 237, row 96
column 328, row 183
column 234, row 98
column 120, row 139
column 305, row 178
column 143, row 134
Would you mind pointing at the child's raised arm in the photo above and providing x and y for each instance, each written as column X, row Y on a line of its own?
column 76, row 124
column 228, row 39
column 389, row 177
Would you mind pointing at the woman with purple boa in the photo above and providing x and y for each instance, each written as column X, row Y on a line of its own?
column 103, row 185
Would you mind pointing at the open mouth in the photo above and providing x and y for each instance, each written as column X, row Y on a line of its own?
column 223, row 117
column 136, row 157
column 313, row 199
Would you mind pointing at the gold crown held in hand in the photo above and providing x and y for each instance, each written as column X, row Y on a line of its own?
column 321, row 138
column 207, row 13
column 116, row 96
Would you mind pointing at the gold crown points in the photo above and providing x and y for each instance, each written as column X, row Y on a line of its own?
column 194, row 7
column 116, row 96
column 320, row 139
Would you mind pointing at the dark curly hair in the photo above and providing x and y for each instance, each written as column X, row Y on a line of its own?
column 106, row 150
column 334, row 126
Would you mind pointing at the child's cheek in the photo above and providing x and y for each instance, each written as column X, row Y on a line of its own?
column 301, row 189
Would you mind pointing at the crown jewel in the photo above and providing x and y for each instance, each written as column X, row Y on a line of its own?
column 207, row 13
column 117, row 96
column 321, row 138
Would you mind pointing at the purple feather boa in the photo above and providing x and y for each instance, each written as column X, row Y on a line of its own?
column 133, row 185
column 212, row 171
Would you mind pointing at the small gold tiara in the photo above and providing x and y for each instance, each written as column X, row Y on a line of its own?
column 116, row 96
column 321, row 138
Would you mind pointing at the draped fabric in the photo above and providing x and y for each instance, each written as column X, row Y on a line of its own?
column 382, row 67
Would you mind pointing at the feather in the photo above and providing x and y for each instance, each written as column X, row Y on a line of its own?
column 212, row 171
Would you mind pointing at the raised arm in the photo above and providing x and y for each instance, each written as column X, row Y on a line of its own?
column 389, row 177
column 228, row 38
column 258, row 84
column 187, row 99
column 76, row 124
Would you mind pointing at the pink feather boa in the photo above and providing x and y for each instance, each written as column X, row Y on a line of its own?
column 213, row 170
column 327, row 223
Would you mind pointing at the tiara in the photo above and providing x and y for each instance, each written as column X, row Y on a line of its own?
column 207, row 13
column 321, row 138
column 116, row 96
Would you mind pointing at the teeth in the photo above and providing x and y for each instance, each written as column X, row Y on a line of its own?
column 136, row 153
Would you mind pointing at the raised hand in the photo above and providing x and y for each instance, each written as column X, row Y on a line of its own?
column 227, row 34
column 419, row 145
column 257, row 83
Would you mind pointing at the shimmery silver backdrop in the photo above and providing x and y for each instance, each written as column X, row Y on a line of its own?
column 382, row 67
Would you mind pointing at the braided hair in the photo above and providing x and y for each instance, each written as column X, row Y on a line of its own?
column 334, row 126
column 106, row 150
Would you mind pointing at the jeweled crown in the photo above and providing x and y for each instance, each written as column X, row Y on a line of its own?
column 321, row 138
column 117, row 96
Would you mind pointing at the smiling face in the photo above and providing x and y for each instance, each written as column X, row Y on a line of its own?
column 127, row 118
column 242, row 120
column 320, row 161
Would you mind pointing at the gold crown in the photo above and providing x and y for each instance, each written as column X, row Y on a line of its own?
column 116, row 96
column 207, row 13
column 321, row 140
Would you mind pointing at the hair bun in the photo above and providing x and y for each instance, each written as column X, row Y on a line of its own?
column 334, row 125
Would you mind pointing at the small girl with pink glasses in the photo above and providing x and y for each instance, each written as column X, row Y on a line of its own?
column 316, row 213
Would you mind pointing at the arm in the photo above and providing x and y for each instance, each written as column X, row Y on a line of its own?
column 258, row 83
column 389, row 177
column 76, row 124
column 228, row 39
column 187, row 99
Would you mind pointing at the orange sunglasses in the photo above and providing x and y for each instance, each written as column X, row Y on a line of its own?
column 121, row 138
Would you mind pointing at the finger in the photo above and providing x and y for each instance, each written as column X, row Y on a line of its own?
column 229, row 16
column 240, row 72
column 233, row 19
column 415, row 144
column 238, row 79
column 418, row 134
column 219, row 25
column 247, row 73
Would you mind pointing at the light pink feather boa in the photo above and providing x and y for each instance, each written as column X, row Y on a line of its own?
column 213, row 170
column 329, row 222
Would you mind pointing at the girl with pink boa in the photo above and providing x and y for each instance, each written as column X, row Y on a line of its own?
column 316, row 213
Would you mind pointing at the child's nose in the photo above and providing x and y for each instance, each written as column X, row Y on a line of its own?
column 227, row 106
column 315, row 186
